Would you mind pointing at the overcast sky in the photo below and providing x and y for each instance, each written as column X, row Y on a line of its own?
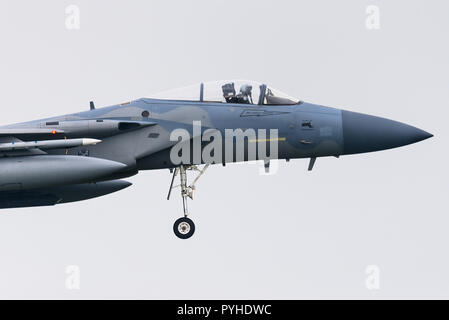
column 293, row 234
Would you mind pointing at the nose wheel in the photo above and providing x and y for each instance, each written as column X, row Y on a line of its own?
column 184, row 227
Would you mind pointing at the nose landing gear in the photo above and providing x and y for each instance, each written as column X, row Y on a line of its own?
column 184, row 227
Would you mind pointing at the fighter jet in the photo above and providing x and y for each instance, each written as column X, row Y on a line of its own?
column 87, row 154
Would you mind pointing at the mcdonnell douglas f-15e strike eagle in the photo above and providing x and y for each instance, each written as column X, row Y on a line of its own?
column 86, row 154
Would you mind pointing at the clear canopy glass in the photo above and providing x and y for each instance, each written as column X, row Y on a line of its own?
column 229, row 91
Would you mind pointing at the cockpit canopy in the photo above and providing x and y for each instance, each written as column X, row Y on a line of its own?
column 229, row 91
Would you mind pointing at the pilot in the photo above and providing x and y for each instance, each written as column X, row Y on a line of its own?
column 229, row 92
column 244, row 96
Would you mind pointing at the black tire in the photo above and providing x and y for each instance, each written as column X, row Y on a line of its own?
column 184, row 228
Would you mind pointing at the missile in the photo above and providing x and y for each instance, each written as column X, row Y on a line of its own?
column 48, row 144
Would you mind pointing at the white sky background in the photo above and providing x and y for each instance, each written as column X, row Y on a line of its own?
column 295, row 234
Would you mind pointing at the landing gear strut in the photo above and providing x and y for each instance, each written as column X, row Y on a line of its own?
column 184, row 227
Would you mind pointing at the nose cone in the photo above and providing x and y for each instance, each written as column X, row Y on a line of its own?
column 365, row 133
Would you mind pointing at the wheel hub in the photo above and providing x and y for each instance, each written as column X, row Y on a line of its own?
column 184, row 228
